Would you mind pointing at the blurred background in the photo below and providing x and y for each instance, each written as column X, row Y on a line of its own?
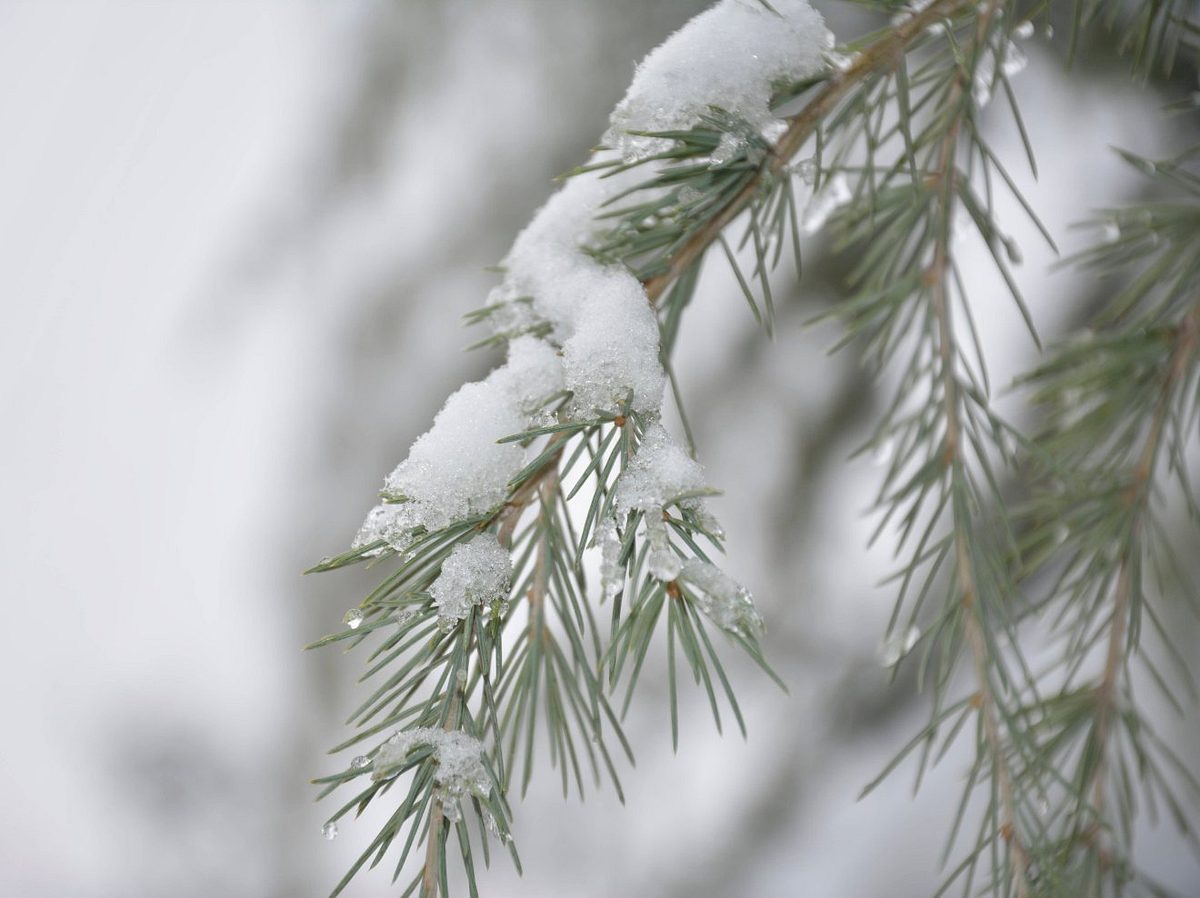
column 236, row 243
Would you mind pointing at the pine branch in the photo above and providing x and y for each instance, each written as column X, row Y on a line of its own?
column 946, row 173
column 467, row 683
column 1137, row 494
column 882, row 54
column 1127, row 391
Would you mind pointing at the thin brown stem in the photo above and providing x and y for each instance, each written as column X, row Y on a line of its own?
column 541, row 576
column 1137, row 492
column 937, row 278
column 435, row 844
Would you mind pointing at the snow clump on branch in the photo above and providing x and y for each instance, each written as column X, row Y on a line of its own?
column 581, row 327
column 475, row 573
column 733, row 56
column 460, row 772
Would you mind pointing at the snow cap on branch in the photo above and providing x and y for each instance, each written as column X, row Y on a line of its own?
column 457, row 469
column 660, row 474
column 459, row 756
column 732, row 56
column 661, row 471
column 475, row 573
column 598, row 313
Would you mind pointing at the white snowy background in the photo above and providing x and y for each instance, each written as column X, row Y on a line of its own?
column 236, row 242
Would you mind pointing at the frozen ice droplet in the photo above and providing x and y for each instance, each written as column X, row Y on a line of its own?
column 1024, row 31
column 461, row 676
column 727, row 149
column 360, row 762
column 329, row 831
column 840, row 62
column 489, row 822
column 835, row 194
column 896, row 646
column 1110, row 232
column 353, row 619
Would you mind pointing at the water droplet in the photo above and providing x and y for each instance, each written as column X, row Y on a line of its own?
column 329, row 831
column 805, row 170
column 360, row 762
column 727, row 150
column 1048, row 32
column 841, row 62
column 461, row 676
column 896, row 646
column 1023, row 31
column 353, row 619
column 1110, row 232
column 834, row 194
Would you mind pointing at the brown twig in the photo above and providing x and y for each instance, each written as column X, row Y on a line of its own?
column 945, row 177
column 1136, row 493
column 435, row 844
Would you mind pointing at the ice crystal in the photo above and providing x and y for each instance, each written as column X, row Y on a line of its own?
column 475, row 573
column 660, row 473
column 832, row 196
column 725, row 601
column 459, row 769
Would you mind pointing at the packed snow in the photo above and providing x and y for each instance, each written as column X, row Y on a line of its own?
column 598, row 313
column 660, row 473
column 457, row 469
column 732, row 55
column 459, row 773
column 475, row 573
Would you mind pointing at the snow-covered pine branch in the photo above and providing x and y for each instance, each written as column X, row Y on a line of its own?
column 486, row 635
column 489, row 613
